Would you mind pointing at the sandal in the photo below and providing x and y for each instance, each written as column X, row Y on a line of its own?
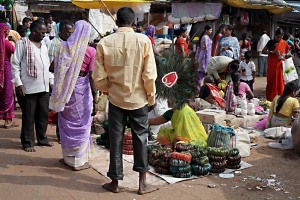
column 13, row 124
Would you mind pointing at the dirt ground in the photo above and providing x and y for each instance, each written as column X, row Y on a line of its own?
column 39, row 175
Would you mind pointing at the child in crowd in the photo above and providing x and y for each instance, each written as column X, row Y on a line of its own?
column 248, row 69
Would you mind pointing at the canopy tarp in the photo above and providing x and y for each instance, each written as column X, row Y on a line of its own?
column 111, row 4
column 272, row 8
column 184, row 13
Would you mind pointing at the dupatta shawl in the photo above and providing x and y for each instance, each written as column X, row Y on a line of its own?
column 233, row 43
column 67, row 64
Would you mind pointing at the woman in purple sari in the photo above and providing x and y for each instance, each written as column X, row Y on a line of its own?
column 72, row 96
column 6, row 86
column 203, row 53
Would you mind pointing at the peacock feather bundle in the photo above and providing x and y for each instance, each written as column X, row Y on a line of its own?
column 176, row 78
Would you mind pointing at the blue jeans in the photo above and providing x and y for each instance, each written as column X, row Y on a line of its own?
column 263, row 65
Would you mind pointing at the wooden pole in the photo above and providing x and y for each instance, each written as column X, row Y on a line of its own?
column 148, row 19
column 108, row 10
column 173, row 45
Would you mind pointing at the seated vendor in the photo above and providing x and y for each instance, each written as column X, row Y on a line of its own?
column 210, row 93
column 187, row 127
column 241, row 89
column 283, row 107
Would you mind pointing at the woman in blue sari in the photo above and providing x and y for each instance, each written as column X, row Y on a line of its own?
column 229, row 44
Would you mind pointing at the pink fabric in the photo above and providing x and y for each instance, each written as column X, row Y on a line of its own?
column 89, row 60
column 151, row 39
column 3, row 28
column 262, row 124
column 7, row 109
column 243, row 88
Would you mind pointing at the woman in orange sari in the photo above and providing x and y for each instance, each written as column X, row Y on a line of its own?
column 277, row 50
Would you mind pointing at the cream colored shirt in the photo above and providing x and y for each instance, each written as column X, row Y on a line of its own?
column 218, row 64
column 125, row 68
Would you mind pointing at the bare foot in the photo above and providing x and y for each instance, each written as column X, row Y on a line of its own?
column 85, row 166
column 62, row 161
column 113, row 187
column 11, row 124
column 48, row 144
column 29, row 149
column 146, row 188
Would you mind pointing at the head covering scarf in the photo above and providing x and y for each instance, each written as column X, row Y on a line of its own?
column 150, row 31
column 3, row 28
column 67, row 64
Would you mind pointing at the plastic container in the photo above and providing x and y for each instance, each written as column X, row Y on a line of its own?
column 165, row 30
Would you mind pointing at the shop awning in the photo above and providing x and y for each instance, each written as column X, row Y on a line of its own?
column 296, row 5
column 184, row 13
column 111, row 4
column 275, row 8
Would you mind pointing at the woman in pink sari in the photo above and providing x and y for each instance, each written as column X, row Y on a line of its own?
column 6, row 86
column 72, row 96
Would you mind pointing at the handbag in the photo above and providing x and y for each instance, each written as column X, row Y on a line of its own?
column 220, row 136
column 289, row 70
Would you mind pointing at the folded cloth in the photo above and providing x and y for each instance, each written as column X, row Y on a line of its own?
column 286, row 144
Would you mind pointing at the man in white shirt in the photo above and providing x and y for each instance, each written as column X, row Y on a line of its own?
column 31, row 77
column 263, row 58
column 53, row 28
column 46, row 39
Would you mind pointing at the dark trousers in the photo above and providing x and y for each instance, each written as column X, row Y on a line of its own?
column 35, row 108
column 250, row 83
column 138, row 120
column 57, row 131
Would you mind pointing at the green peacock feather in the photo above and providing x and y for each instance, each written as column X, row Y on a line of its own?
column 185, row 86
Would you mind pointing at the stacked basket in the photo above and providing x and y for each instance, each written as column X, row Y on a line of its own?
column 233, row 159
column 217, row 159
column 159, row 158
column 200, row 162
column 180, row 165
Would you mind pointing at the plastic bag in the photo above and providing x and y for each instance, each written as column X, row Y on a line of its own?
column 242, row 142
column 289, row 70
column 275, row 132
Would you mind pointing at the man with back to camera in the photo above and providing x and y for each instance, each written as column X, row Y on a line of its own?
column 125, row 69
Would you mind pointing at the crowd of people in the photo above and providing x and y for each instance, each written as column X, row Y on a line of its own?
column 54, row 66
